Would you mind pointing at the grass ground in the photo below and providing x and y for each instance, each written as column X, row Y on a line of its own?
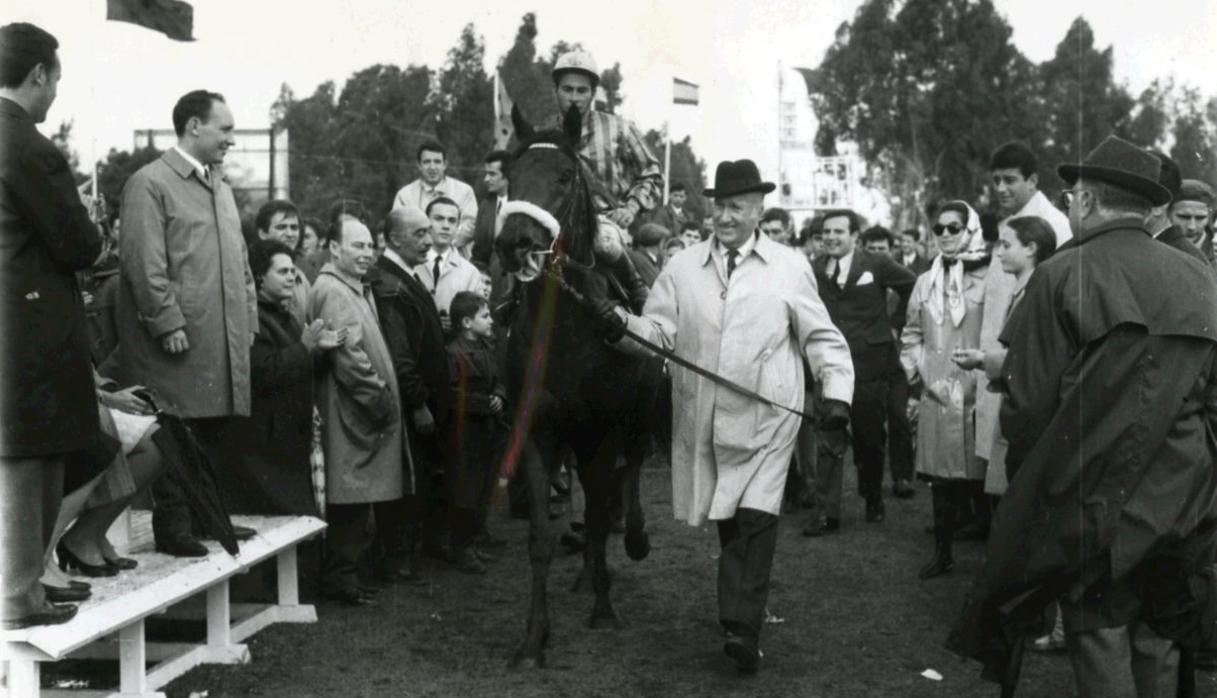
column 857, row 623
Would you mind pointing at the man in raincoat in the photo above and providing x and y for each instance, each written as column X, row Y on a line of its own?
column 1110, row 406
column 747, row 309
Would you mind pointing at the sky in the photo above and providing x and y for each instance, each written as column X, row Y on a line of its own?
column 119, row 77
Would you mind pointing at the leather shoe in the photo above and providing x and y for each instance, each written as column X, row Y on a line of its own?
column 49, row 615
column 56, row 594
column 874, row 510
column 182, row 546
column 243, row 532
column 819, row 527
column 744, row 651
column 121, row 563
column 903, row 489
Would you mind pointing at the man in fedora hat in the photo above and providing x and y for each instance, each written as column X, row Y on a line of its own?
column 746, row 308
column 1110, row 389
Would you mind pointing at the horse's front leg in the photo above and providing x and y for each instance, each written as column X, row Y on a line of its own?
column 531, row 653
column 598, row 480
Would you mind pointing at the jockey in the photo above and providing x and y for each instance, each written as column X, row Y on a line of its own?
column 626, row 176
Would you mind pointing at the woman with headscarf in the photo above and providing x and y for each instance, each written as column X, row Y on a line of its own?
column 944, row 315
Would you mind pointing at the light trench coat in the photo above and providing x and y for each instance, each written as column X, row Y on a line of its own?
column 184, row 266
column 946, row 428
column 730, row 451
column 357, row 397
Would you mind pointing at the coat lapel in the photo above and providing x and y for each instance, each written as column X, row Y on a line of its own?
column 861, row 264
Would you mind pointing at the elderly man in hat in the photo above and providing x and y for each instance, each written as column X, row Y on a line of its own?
column 1110, row 390
column 747, row 309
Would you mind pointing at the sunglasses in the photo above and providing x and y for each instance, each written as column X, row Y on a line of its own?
column 953, row 229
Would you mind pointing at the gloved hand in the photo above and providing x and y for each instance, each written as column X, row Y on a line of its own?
column 835, row 417
column 606, row 312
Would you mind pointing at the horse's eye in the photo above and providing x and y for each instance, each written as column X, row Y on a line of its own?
column 566, row 176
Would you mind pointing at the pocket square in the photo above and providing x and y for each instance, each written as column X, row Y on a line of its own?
column 866, row 278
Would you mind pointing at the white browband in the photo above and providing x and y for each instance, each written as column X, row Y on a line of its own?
column 545, row 146
column 533, row 211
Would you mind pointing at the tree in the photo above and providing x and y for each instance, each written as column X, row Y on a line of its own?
column 610, row 82
column 686, row 168
column 926, row 91
column 1195, row 136
column 1151, row 116
column 119, row 165
column 527, row 77
column 1083, row 104
column 465, row 106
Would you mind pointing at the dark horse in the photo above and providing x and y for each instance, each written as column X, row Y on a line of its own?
column 569, row 389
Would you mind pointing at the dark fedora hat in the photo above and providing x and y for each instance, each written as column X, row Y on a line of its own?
column 739, row 177
column 1118, row 162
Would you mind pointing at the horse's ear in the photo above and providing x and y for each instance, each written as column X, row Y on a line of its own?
column 572, row 125
column 524, row 130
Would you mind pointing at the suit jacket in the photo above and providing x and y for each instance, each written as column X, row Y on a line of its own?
column 669, row 218
column 919, row 266
column 48, row 405
column 646, row 267
column 860, row 310
column 412, row 330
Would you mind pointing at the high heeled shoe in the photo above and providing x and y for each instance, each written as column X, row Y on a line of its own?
column 68, row 561
column 121, row 563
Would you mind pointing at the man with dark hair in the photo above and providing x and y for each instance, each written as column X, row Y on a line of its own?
column 48, row 407
column 445, row 272
column 433, row 183
column 1110, row 400
column 691, row 233
column 187, row 307
column 1160, row 224
column 1014, row 172
column 777, row 224
column 647, row 253
column 853, row 284
column 1192, row 212
column 412, row 329
column 672, row 215
column 495, row 180
column 910, row 254
column 279, row 220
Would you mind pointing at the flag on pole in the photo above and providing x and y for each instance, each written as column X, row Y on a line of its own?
column 173, row 18
column 683, row 92
column 503, row 128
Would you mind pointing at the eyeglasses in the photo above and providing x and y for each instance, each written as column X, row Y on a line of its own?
column 952, row 228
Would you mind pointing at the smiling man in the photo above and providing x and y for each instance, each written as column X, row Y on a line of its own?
column 434, row 183
column 745, row 308
column 187, row 308
column 361, row 417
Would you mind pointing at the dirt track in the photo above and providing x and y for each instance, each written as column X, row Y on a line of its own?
column 857, row 623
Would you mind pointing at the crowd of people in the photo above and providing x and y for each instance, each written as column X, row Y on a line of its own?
column 1047, row 367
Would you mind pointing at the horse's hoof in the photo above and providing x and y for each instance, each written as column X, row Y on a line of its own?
column 605, row 620
column 637, row 544
column 525, row 660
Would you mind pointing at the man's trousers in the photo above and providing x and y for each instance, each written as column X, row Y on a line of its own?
column 171, row 514
column 899, row 430
column 31, row 490
column 748, row 542
column 866, row 421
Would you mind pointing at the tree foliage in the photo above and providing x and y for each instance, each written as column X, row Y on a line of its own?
column 687, row 169
column 928, row 88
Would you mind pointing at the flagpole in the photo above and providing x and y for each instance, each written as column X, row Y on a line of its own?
column 667, row 163
column 498, row 109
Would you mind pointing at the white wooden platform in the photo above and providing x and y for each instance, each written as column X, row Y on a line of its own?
column 110, row 625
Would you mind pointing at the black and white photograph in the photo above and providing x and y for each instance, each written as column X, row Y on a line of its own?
column 815, row 348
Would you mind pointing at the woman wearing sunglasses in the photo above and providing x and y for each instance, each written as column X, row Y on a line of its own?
column 944, row 316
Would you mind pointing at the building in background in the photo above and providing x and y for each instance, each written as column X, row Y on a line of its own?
column 256, row 167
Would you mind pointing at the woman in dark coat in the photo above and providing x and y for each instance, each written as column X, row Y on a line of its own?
column 265, row 469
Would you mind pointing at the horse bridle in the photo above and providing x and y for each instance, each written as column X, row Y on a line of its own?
column 558, row 259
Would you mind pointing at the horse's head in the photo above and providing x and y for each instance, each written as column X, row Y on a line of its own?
column 550, row 208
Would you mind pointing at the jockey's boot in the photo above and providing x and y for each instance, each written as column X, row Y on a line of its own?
column 631, row 282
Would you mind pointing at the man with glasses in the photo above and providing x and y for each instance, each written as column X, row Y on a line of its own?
column 1110, row 388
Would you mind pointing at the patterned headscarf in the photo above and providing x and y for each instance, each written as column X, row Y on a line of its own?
column 972, row 250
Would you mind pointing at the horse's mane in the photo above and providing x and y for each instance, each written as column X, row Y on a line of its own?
column 577, row 215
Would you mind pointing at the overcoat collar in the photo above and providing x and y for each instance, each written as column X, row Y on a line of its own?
column 359, row 288
column 762, row 246
column 1121, row 223
column 184, row 169
column 10, row 108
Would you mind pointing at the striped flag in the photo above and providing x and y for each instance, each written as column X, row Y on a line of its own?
column 683, row 92
column 173, row 18
column 503, row 128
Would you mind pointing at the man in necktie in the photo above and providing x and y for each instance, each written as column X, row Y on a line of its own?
column 730, row 460
column 434, row 183
column 445, row 272
column 854, row 285
column 494, row 179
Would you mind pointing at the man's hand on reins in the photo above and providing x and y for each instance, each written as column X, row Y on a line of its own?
column 612, row 316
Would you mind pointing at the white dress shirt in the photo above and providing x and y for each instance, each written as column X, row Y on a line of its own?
column 844, row 264
column 720, row 254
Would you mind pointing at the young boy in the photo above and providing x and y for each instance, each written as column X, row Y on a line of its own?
column 477, row 406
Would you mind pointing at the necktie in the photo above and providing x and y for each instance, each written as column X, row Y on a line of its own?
column 434, row 276
column 836, row 274
column 731, row 257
